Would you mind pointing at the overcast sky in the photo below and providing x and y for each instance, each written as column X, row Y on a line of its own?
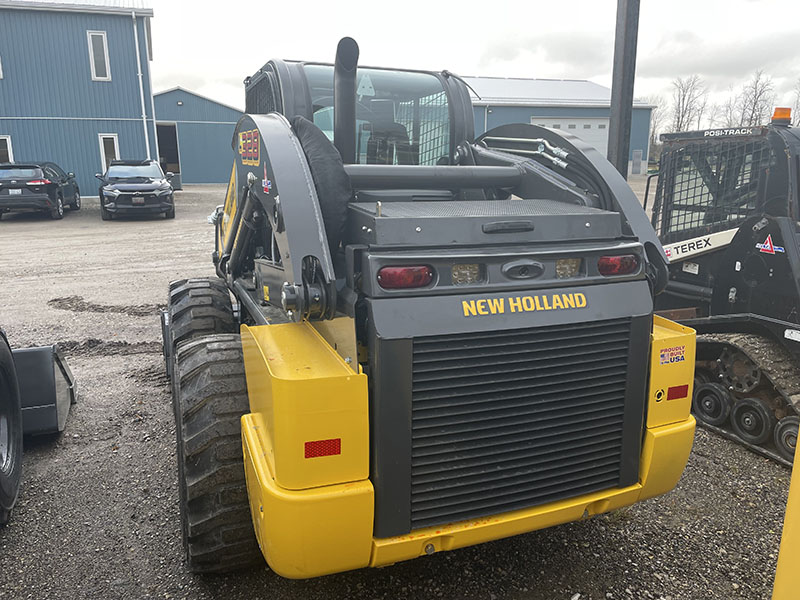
column 210, row 47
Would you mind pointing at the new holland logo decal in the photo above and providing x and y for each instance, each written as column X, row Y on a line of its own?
column 518, row 304
column 768, row 247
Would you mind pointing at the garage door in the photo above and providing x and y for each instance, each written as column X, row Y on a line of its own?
column 591, row 131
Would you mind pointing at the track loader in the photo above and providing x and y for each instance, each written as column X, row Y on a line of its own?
column 726, row 211
column 436, row 341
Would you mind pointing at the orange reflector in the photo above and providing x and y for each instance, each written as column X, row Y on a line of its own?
column 323, row 448
column 782, row 114
column 677, row 392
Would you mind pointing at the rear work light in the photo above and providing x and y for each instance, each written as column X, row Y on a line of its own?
column 393, row 278
column 618, row 265
column 39, row 182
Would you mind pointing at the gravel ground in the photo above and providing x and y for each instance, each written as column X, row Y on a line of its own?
column 98, row 512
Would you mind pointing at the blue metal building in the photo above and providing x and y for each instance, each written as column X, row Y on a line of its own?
column 75, row 85
column 194, row 135
column 575, row 106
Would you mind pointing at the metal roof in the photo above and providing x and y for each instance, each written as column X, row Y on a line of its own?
column 113, row 7
column 178, row 88
column 514, row 91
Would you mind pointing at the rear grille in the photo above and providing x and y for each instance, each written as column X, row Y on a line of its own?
column 507, row 420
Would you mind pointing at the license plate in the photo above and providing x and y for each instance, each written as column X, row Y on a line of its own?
column 14, row 192
column 138, row 200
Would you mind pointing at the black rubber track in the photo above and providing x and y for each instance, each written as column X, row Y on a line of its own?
column 199, row 307
column 210, row 399
column 11, row 414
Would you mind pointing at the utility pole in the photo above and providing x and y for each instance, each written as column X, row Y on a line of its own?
column 619, row 134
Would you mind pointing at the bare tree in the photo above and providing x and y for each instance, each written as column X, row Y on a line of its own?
column 731, row 114
column 658, row 116
column 756, row 99
column 703, row 106
column 714, row 116
column 796, row 106
column 687, row 97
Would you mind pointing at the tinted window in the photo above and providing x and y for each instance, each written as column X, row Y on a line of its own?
column 151, row 170
column 97, row 46
column 20, row 172
column 58, row 170
column 402, row 117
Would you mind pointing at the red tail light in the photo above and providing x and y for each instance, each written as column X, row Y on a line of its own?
column 392, row 278
column 39, row 182
column 618, row 265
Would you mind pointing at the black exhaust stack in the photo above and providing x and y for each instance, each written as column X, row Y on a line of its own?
column 344, row 99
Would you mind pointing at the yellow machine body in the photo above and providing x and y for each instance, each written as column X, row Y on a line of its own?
column 313, row 515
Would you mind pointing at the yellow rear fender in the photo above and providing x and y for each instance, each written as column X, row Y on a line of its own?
column 312, row 404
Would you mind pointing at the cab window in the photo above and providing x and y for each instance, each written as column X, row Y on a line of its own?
column 402, row 117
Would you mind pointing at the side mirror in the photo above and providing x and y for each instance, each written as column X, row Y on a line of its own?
column 99, row 176
column 70, row 175
column 170, row 174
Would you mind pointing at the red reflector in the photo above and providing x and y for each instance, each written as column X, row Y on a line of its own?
column 618, row 265
column 392, row 278
column 39, row 182
column 677, row 392
column 323, row 448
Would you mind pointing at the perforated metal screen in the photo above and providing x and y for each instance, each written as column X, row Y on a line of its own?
column 706, row 186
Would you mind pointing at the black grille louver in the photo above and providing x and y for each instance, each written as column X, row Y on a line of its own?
column 508, row 420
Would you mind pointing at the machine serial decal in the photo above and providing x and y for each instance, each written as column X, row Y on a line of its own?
column 698, row 245
column 768, row 247
column 675, row 354
column 498, row 306
column 249, row 147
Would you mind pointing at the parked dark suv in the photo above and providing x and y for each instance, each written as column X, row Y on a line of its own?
column 135, row 187
column 41, row 186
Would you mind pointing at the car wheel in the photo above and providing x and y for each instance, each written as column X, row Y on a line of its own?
column 170, row 214
column 104, row 214
column 58, row 211
column 76, row 202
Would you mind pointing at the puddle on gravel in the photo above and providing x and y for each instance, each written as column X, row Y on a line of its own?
column 78, row 304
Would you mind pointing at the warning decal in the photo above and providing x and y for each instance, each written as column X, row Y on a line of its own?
column 768, row 247
column 674, row 354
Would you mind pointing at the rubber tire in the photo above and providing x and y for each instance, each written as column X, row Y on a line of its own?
column 199, row 307
column 58, row 212
column 76, row 203
column 787, row 425
column 210, row 397
column 105, row 215
column 11, row 470
column 170, row 214
column 718, row 394
column 760, row 410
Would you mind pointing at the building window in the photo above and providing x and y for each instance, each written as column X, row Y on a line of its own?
column 6, row 153
column 98, row 56
column 109, row 149
column 587, row 125
column 601, row 126
column 571, row 126
column 556, row 126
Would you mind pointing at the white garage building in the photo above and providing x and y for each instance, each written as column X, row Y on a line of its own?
column 577, row 106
